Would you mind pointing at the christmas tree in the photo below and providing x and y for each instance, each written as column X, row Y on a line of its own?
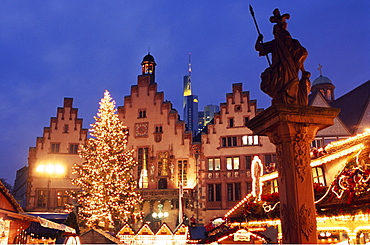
column 106, row 177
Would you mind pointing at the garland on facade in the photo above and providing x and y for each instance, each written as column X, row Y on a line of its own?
column 266, row 208
column 348, row 187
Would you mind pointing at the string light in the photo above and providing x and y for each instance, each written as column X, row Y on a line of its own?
column 106, row 179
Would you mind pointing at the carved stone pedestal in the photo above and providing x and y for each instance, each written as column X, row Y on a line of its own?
column 292, row 128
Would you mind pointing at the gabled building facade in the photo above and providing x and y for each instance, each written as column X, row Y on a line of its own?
column 50, row 162
column 354, row 117
column 163, row 150
column 228, row 148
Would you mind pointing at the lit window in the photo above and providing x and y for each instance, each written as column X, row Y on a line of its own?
column 229, row 163
column 62, row 198
column 318, row 175
column 232, row 163
column 250, row 140
column 217, row 163
column 236, row 162
column 182, row 171
column 214, row 164
column 142, row 164
column 210, row 164
column 275, row 186
column 41, row 198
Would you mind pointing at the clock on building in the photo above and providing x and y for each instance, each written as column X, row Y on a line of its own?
column 141, row 129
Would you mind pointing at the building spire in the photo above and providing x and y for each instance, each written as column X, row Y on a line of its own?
column 189, row 69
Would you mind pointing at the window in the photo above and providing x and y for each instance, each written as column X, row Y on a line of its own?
column 158, row 129
column 73, row 148
column 214, row 164
column 182, row 174
column 233, row 192
column 142, row 113
column 250, row 140
column 41, row 198
column 269, row 159
column 62, row 198
column 231, row 122
column 55, row 147
column 249, row 187
column 248, row 162
column 246, row 120
column 240, row 140
column 65, row 128
column 327, row 140
column 274, row 186
column 142, row 165
column 318, row 175
column 163, row 163
column 232, row 163
column 317, row 143
column 229, row 141
column 214, row 192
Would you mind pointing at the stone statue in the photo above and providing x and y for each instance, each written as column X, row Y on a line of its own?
column 280, row 81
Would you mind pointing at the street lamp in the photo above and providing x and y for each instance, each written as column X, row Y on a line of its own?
column 160, row 214
column 157, row 217
column 49, row 169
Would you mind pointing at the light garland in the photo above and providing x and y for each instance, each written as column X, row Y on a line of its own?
column 331, row 157
column 267, row 207
column 346, row 141
column 238, row 205
column 314, row 163
column 106, row 179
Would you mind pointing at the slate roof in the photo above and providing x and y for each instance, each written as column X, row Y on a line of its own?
column 353, row 105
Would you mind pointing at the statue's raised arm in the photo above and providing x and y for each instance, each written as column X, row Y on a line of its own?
column 281, row 80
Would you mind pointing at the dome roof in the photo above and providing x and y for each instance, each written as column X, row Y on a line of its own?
column 321, row 80
column 148, row 58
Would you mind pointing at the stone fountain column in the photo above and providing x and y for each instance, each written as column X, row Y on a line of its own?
column 291, row 128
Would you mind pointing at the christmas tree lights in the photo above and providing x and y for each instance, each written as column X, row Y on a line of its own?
column 106, row 177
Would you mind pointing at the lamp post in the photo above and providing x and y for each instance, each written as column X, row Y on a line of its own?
column 160, row 215
column 49, row 169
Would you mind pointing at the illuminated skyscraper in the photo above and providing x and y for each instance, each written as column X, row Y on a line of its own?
column 190, row 104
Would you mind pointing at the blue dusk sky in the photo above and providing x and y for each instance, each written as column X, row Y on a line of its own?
column 55, row 49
